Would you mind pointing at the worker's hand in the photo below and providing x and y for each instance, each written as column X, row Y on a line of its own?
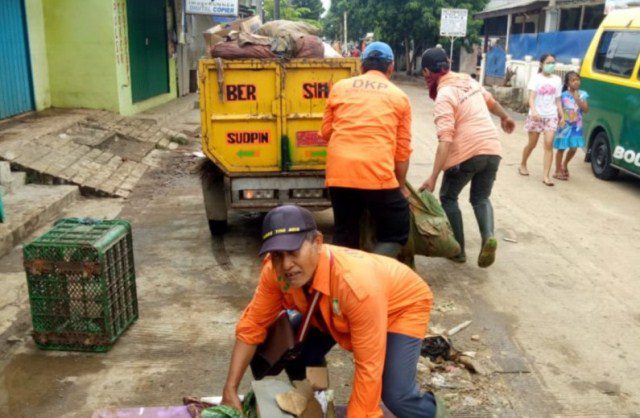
column 430, row 184
column 507, row 124
column 230, row 398
column 405, row 191
column 535, row 116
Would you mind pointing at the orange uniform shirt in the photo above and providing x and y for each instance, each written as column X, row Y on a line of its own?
column 367, row 122
column 462, row 118
column 363, row 297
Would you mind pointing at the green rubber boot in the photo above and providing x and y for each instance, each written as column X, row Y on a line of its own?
column 488, row 252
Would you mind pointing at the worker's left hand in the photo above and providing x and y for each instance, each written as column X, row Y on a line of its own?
column 508, row 124
column 430, row 184
column 405, row 191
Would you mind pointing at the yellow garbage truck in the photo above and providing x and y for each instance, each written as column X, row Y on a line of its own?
column 260, row 133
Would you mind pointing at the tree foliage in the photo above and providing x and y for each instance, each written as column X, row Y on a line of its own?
column 404, row 24
column 307, row 10
column 312, row 8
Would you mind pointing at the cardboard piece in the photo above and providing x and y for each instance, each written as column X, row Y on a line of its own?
column 293, row 402
column 215, row 35
column 249, row 24
column 220, row 33
column 318, row 377
column 313, row 410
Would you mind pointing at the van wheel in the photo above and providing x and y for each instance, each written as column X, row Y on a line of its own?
column 601, row 158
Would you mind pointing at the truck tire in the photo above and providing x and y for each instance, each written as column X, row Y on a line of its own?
column 215, row 203
column 601, row 158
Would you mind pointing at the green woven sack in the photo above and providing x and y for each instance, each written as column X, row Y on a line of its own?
column 431, row 234
column 221, row 411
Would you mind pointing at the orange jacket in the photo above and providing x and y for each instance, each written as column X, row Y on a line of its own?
column 367, row 122
column 363, row 297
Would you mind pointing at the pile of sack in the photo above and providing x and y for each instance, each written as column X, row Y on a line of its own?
column 249, row 38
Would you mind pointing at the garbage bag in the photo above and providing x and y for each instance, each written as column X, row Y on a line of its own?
column 431, row 234
column 199, row 409
column 221, row 411
column 329, row 52
column 278, row 27
column 308, row 46
column 233, row 50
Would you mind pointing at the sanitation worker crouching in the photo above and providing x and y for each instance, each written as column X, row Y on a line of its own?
column 369, row 304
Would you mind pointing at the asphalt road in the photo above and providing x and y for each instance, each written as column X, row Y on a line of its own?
column 557, row 315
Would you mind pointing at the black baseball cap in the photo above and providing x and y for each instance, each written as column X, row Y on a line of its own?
column 285, row 227
column 435, row 60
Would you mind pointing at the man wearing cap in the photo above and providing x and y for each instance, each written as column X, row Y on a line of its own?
column 371, row 305
column 468, row 149
column 367, row 123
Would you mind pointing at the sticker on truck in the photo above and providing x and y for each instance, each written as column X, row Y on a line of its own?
column 249, row 137
column 309, row 139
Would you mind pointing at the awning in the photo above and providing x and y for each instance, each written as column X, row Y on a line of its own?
column 497, row 8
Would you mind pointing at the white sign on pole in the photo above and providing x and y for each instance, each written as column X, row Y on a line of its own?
column 453, row 22
column 212, row 7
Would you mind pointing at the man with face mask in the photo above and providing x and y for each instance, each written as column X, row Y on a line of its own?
column 369, row 304
column 468, row 147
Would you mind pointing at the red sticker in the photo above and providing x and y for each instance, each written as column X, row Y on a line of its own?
column 310, row 139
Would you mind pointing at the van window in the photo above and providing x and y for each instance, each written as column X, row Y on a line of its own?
column 618, row 52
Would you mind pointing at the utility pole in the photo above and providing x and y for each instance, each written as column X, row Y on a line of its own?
column 276, row 9
column 345, row 29
column 259, row 10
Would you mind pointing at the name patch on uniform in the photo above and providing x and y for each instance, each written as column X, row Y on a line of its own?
column 248, row 137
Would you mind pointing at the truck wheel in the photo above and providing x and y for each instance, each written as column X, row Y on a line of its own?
column 601, row 158
column 214, row 200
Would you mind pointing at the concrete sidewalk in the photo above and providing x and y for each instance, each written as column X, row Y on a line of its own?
column 103, row 153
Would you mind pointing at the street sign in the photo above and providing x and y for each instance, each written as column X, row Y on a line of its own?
column 212, row 7
column 453, row 22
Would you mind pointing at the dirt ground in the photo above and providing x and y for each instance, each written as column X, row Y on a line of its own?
column 555, row 321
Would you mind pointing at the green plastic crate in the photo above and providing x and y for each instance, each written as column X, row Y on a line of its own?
column 82, row 284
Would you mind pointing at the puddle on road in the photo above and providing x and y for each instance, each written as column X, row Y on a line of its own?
column 33, row 381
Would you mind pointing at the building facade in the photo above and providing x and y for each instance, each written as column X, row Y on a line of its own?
column 100, row 54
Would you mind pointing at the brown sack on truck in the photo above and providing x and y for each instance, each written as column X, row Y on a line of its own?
column 278, row 27
column 308, row 46
column 232, row 50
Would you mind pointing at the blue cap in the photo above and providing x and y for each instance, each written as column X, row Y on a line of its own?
column 378, row 50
